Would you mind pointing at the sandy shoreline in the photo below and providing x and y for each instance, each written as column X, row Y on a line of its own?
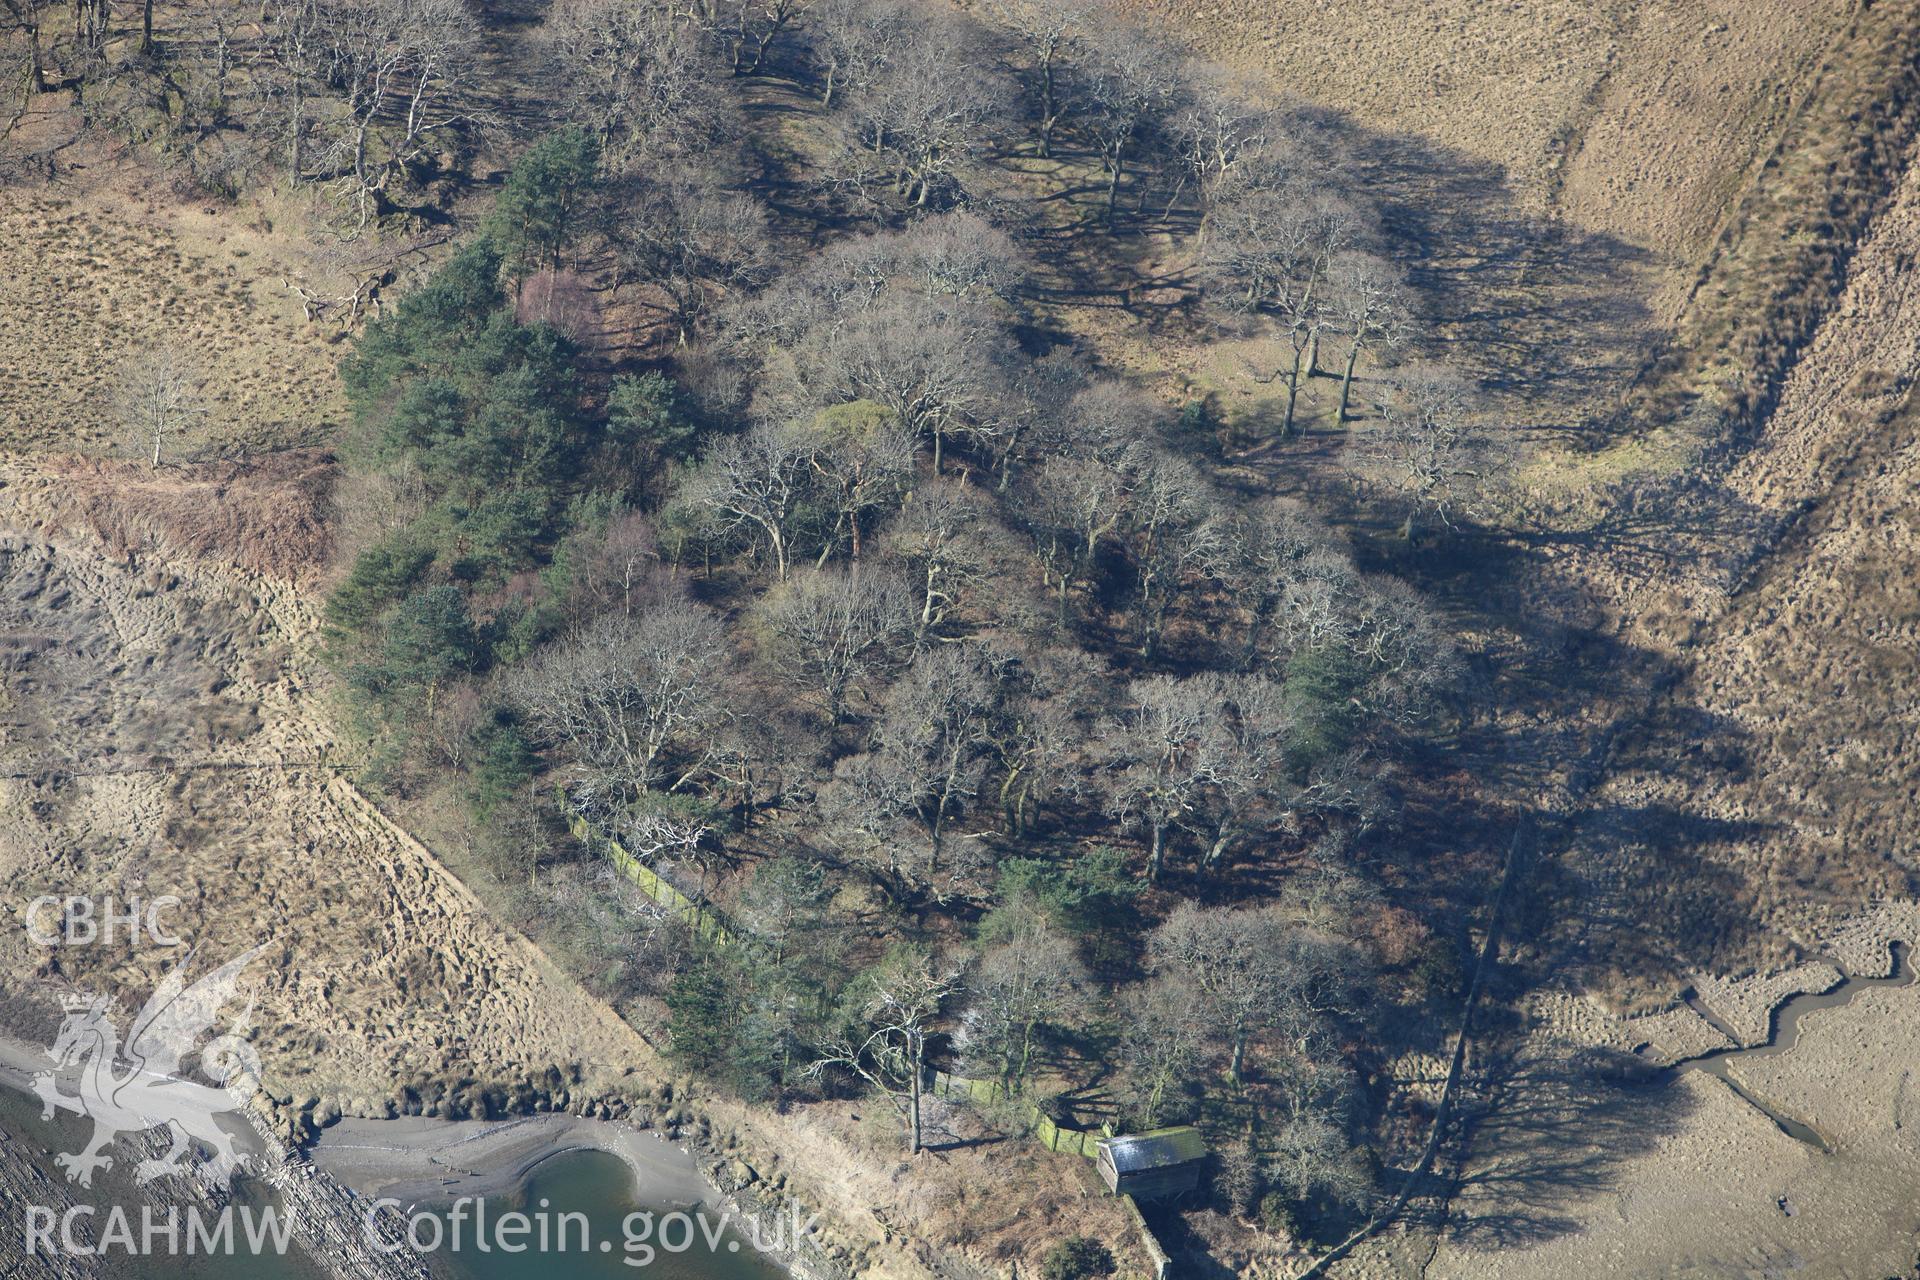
column 416, row 1159
column 20, row 1062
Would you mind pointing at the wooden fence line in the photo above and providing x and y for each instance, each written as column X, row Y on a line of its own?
column 698, row 916
column 1052, row 1135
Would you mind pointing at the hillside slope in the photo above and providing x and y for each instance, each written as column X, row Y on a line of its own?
column 1636, row 121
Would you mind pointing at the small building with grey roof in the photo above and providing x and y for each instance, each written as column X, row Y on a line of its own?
column 1155, row 1165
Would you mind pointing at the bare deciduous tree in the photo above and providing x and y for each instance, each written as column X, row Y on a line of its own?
column 932, row 740
column 908, row 320
column 1044, row 726
column 402, row 70
column 1130, row 84
column 1266, row 263
column 1311, row 1156
column 1257, row 558
column 1428, row 447
column 853, row 39
column 1161, row 1046
column 935, row 363
column 756, row 757
column 755, row 481
column 1034, row 413
column 1243, row 754
column 217, row 24
column 91, row 22
column 932, row 539
column 888, row 1049
column 26, row 17
column 924, row 114
column 629, row 697
column 1410, row 661
column 295, row 49
column 1218, row 127
column 1249, row 971
column 638, row 80
column 1169, row 535
column 611, row 568
column 1049, row 30
column 863, row 460
column 695, row 238
column 832, row 631
column 157, row 400
column 869, row 818
column 1112, row 420
column 748, row 28
column 1075, row 499
column 960, row 255
column 1367, row 303
column 1316, row 601
column 1070, row 505
column 1158, row 770
column 1027, row 983
column 656, row 833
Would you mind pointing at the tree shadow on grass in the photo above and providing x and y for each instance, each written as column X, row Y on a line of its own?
column 1526, row 304
column 1550, row 1130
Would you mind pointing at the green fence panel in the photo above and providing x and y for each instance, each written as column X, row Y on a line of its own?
column 702, row 920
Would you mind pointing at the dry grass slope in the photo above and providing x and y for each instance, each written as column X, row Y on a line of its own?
column 95, row 277
column 1630, row 120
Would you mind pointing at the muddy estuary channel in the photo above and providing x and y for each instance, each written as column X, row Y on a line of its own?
column 1786, row 1033
column 1796, row 1157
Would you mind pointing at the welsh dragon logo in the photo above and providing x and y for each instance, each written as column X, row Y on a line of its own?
column 139, row 1086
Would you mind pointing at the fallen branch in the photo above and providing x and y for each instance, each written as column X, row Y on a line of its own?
column 366, row 291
